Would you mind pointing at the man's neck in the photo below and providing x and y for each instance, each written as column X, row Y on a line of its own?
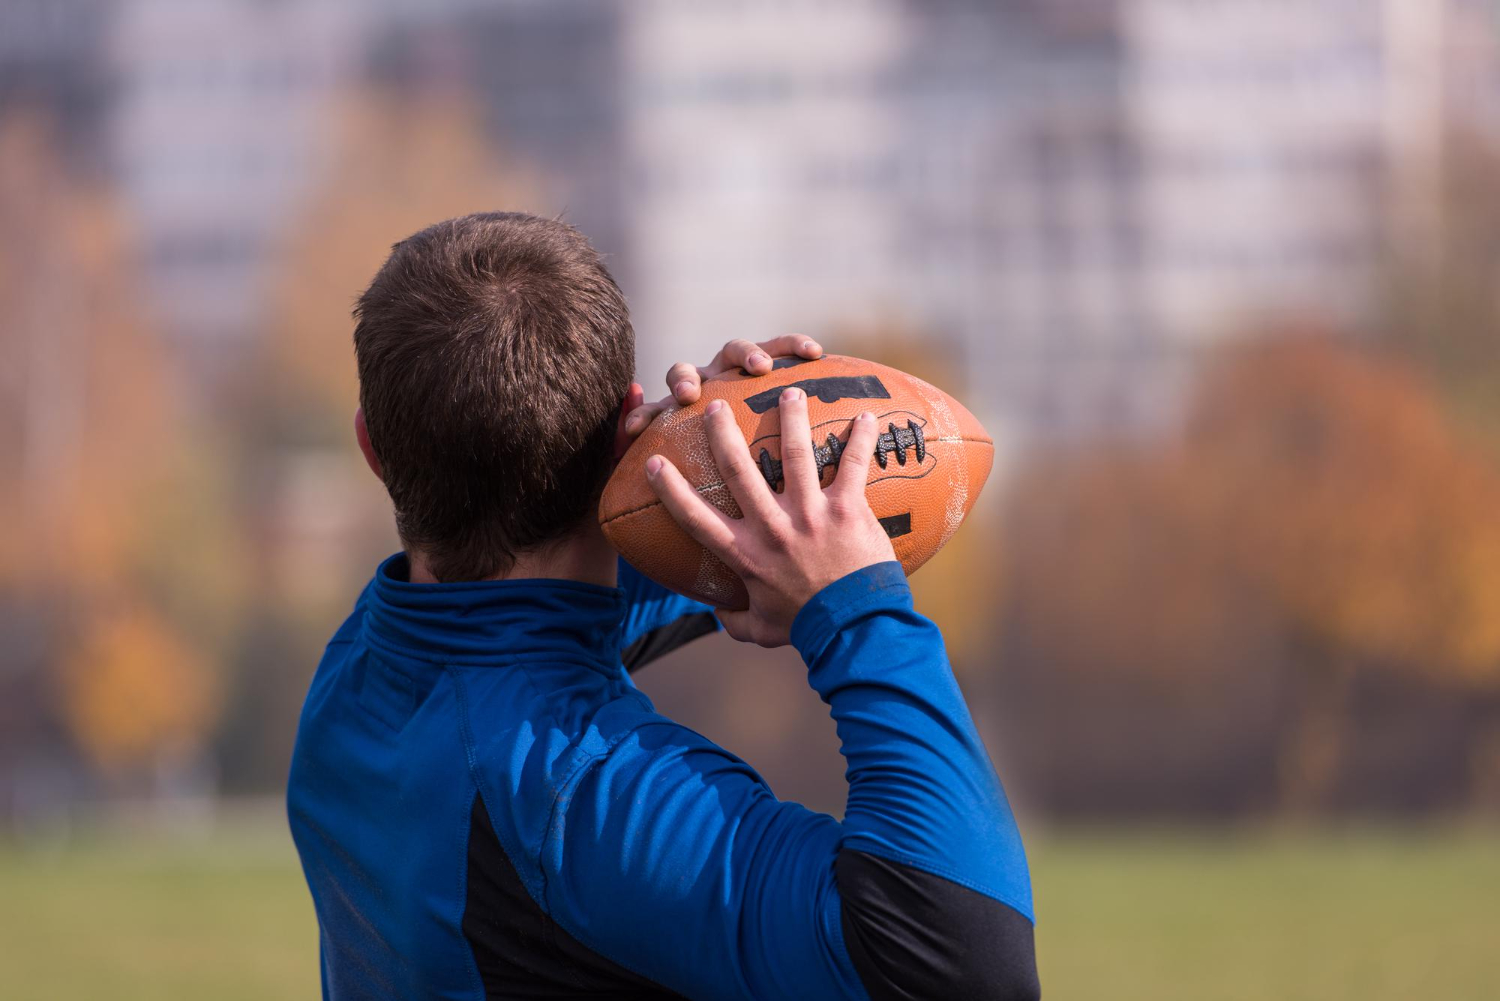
column 585, row 556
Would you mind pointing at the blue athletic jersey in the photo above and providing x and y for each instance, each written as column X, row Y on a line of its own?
column 486, row 806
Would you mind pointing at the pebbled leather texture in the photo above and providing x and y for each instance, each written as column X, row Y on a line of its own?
column 937, row 458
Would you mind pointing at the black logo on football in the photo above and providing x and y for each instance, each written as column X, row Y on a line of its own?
column 896, row 525
column 829, row 389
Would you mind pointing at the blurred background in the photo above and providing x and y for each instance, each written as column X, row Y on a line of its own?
column 1222, row 277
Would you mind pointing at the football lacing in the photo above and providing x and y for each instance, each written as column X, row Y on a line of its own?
column 892, row 440
column 898, row 440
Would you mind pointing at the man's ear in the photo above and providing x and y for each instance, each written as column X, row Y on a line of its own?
column 362, row 434
column 634, row 397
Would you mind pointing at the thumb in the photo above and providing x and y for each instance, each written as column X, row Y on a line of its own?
column 738, row 623
column 749, row 626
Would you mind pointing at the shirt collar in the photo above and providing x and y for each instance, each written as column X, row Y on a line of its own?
column 495, row 621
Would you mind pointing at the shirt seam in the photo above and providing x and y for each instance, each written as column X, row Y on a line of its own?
column 836, row 920
column 1025, row 909
column 590, row 758
column 576, row 934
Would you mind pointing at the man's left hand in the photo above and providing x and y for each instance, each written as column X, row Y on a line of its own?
column 685, row 381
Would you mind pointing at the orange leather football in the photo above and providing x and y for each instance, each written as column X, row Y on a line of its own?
column 930, row 463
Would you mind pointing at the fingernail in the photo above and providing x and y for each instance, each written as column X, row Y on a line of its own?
column 790, row 393
column 760, row 358
column 632, row 422
column 653, row 465
column 810, row 346
column 714, row 407
column 866, row 416
column 681, row 387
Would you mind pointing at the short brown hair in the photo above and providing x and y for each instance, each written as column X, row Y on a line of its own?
column 494, row 351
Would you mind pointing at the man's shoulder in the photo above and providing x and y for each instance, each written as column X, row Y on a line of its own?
column 531, row 743
column 521, row 712
column 349, row 630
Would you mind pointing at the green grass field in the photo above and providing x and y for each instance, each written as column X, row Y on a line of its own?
column 1164, row 916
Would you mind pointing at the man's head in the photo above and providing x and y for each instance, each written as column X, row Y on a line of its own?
column 494, row 353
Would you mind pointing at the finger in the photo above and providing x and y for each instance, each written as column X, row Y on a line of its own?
column 638, row 419
column 736, row 622
column 792, row 344
column 708, row 525
column 745, row 626
column 684, row 381
column 798, row 467
column 741, row 475
column 740, row 353
column 854, row 463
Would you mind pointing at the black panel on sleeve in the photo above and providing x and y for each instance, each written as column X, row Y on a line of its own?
column 913, row 935
column 664, row 639
column 520, row 950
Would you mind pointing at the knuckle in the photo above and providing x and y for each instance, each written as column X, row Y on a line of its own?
column 736, row 469
column 732, row 558
column 778, row 533
column 809, row 509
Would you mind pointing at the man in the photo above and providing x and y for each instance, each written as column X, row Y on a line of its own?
column 486, row 806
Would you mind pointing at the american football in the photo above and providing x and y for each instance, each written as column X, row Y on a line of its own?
column 931, row 461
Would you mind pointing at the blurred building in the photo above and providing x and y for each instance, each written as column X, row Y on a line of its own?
column 548, row 76
column 219, row 125
column 761, row 160
column 1021, row 237
column 1081, row 196
column 215, row 136
column 1075, row 198
column 52, row 58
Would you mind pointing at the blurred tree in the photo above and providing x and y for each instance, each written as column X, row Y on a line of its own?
column 1369, row 523
column 86, row 396
column 1439, row 306
column 1316, row 491
column 95, row 451
column 1134, row 651
column 135, row 694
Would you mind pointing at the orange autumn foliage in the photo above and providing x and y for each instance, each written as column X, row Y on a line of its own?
column 1313, row 485
column 1347, row 493
column 101, row 494
column 90, row 406
column 134, row 692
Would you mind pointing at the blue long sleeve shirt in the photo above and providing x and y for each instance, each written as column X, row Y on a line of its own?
column 486, row 806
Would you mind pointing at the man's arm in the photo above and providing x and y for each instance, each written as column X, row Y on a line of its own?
column 675, row 860
column 657, row 621
column 679, row 863
column 932, row 877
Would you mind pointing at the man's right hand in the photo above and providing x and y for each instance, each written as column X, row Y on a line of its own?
column 788, row 546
